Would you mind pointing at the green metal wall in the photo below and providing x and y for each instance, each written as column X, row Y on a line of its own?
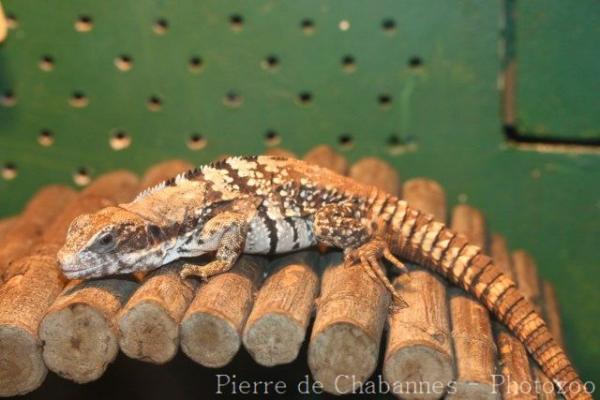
column 557, row 57
column 413, row 82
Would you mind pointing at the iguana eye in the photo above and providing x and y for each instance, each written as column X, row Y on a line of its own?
column 103, row 243
column 154, row 232
column 106, row 239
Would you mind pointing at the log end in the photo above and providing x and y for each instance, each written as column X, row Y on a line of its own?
column 472, row 391
column 21, row 366
column 119, row 185
column 342, row 357
column 79, row 342
column 426, row 195
column 326, row 157
column 374, row 171
column 274, row 339
column 209, row 340
column 164, row 170
column 279, row 152
column 422, row 371
column 148, row 333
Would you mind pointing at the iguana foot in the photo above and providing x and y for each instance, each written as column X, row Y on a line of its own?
column 369, row 256
column 204, row 271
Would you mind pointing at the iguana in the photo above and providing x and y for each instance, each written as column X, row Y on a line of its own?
column 272, row 205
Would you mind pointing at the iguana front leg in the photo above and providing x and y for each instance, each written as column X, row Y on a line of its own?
column 227, row 232
column 340, row 225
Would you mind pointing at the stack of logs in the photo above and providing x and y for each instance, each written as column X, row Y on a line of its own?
column 76, row 329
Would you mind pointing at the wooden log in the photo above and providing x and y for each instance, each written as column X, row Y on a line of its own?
column 344, row 344
column 543, row 385
column 279, row 152
column 23, row 300
column 162, row 171
column 78, row 332
column 120, row 186
column 528, row 281
column 513, row 360
column 376, row 172
column 79, row 335
column 149, row 322
column 552, row 312
column 418, row 357
column 526, row 277
column 471, row 223
column 26, row 231
column 500, row 254
column 5, row 225
column 326, row 157
column 426, row 195
column 25, row 297
column 516, row 382
column 211, row 328
column 351, row 311
column 474, row 347
column 277, row 324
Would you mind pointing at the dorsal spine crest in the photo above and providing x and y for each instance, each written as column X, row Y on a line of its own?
column 193, row 173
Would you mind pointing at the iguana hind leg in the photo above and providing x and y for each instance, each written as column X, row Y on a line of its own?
column 340, row 225
column 370, row 255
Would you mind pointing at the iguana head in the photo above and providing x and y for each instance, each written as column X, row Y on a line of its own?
column 110, row 241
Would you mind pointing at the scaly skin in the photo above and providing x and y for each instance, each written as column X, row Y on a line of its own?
column 271, row 205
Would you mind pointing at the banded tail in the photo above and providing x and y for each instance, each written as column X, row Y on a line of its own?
column 415, row 236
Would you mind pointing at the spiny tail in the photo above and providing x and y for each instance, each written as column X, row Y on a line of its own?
column 415, row 236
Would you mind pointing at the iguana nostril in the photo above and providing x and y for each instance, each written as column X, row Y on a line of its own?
column 65, row 259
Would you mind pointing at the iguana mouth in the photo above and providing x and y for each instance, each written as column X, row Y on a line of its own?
column 79, row 272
